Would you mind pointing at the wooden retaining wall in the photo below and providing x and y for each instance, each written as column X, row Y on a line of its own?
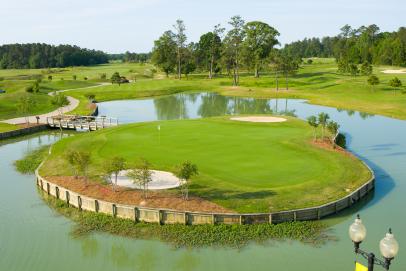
column 23, row 131
column 165, row 216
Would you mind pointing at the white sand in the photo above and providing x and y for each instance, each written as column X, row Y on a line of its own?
column 160, row 180
column 394, row 71
column 259, row 119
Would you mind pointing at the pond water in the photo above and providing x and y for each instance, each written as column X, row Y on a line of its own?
column 34, row 237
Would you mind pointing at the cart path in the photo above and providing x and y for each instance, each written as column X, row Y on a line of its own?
column 73, row 104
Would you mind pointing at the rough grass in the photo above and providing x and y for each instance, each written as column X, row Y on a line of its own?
column 246, row 167
column 31, row 160
column 234, row 236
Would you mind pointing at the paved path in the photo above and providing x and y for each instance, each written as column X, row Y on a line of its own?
column 73, row 103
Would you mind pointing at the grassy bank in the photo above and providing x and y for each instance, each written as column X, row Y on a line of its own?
column 245, row 167
column 5, row 127
column 31, row 160
column 235, row 236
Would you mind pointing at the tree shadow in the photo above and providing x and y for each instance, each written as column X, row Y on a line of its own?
column 221, row 194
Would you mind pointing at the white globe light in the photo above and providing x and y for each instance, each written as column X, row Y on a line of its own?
column 357, row 231
column 389, row 246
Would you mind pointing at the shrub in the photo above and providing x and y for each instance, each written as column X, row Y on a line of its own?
column 29, row 89
column 341, row 140
column 395, row 82
column 366, row 68
column 235, row 236
column 31, row 160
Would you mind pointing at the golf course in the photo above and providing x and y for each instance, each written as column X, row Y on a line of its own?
column 244, row 166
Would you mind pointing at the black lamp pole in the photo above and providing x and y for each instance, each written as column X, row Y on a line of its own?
column 372, row 259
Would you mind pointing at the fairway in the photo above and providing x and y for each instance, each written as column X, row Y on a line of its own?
column 245, row 167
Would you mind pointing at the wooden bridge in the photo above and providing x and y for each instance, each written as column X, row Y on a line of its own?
column 81, row 123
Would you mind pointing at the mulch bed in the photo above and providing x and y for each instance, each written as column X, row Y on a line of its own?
column 156, row 199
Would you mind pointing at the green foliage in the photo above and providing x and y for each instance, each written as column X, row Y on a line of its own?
column 33, row 88
column 395, row 82
column 363, row 45
column 323, row 121
column 164, row 52
column 141, row 175
column 313, row 122
column 341, row 140
column 59, row 100
column 209, row 50
column 232, row 46
column 353, row 69
column 333, row 127
column 113, row 166
column 185, row 172
column 366, row 69
column 25, row 104
column 31, row 160
column 116, row 78
column 184, row 236
column 79, row 162
column 90, row 96
column 373, row 80
column 37, row 55
column 260, row 40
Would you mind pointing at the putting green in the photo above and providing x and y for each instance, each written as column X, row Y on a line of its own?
column 246, row 167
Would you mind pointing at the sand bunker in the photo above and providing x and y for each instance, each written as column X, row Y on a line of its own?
column 160, row 180
column 259, row 119
column 394, row 71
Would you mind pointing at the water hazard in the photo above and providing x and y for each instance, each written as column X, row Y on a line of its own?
column 34, row 237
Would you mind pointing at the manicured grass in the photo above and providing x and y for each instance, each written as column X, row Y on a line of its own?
column 50, row 86
column 246, row 167
column 5, row 127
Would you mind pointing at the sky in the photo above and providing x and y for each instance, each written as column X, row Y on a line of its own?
column 116, row 26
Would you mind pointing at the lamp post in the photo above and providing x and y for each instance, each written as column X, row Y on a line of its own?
column 389, row 247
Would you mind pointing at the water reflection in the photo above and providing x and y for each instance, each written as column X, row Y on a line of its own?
column 191, row 106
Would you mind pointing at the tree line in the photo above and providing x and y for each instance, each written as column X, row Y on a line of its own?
column 366, row 44
column 249, row 46
column 131, row 57
column 39, row 55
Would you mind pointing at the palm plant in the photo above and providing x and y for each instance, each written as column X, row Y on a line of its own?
column 312, row 120
column 323, row 119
